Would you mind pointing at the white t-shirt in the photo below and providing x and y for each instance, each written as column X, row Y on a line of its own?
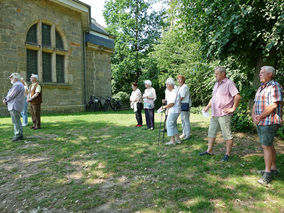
column 185, row 94
column 173, row 99
column 166, row 94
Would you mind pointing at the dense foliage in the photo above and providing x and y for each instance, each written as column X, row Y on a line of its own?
column 251, row 31
column 241, row 35
column 244, row 35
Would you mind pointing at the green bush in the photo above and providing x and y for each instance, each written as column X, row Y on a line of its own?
column 196, row 110
column 123, row 97
column 241, row 121
column 280, row 132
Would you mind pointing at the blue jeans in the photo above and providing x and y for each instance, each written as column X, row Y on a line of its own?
column 24, row 113
column 172, row 124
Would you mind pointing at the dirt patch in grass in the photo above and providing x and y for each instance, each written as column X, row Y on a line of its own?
column 113, row 170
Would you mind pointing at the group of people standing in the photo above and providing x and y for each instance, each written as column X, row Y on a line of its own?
column 177, row 102
column 266, row 113
column 17, row 101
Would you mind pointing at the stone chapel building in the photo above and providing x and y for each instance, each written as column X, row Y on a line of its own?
column 58, row 40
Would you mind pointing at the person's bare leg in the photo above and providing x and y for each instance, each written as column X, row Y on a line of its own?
column 273, row 164
column 210, row 145
column 177, row 137
column 173, row 139
column 229, row 145
column 268, row 157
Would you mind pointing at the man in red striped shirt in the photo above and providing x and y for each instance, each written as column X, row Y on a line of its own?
column 267, row 116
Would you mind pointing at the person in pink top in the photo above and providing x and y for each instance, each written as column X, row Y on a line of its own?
column 225, row 100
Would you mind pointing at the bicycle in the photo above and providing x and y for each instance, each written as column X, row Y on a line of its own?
column 98, row 104
column 90, row 104
column 111, row 103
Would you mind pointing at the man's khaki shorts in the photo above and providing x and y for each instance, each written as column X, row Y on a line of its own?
column 223, row 122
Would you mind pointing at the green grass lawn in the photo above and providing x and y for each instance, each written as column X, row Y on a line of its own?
column 99, row 162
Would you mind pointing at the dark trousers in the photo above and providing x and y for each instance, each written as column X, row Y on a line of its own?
column 138, row 113
column 149, row 114
column 35, row 113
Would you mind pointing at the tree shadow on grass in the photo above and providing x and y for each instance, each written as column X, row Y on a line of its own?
column 103, row 167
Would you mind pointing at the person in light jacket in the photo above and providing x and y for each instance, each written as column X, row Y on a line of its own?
column 15, row 103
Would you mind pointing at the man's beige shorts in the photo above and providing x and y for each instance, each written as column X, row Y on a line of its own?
column 223, row 122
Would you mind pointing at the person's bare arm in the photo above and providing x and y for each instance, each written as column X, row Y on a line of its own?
column 252, row 113
column 168, row 106
column 34, row 96
column 237, row 99
column 267, row 111
column 208, row 106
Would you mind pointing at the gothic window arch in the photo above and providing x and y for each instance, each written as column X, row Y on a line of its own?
column 46, row 53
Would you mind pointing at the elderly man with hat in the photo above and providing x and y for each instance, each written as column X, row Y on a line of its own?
column 15, row 103
column 35, row 100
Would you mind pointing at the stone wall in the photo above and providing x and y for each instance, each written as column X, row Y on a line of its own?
column 16, row 17
column 98, row 72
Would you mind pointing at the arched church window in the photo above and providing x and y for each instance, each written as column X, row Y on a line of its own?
column 46, row 53
column 31, row 35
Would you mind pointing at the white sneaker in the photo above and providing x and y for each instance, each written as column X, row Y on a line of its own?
column 182, row 136
column 178, row 141
column 170, row 143
column 185, row 138
column 24, row 124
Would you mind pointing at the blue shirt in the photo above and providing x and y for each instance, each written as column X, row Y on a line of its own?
column 15, row 98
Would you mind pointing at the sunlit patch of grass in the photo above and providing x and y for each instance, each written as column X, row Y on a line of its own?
column 101, row 162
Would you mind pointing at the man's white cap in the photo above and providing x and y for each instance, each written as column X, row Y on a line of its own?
column 34, row 76
column 15, row 75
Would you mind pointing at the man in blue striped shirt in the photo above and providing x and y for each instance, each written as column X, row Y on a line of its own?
column 15, row 103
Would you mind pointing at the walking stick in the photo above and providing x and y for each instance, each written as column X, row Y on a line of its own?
column 164, row 130
column 160, row 129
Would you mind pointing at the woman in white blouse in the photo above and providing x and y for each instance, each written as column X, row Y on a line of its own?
column 185, row 99
column 136, row 103
column 173, row 107
column 149, row 98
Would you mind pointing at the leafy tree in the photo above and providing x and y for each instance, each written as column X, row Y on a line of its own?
column 250, row 31
column 136, row 27
column 244, row 35
column 177, row 54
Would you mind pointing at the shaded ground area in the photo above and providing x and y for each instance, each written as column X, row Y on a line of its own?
column 101, row 163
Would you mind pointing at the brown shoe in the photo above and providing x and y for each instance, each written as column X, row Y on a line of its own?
column 32, row 127
column 36, row 128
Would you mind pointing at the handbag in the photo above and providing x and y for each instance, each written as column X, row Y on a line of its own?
column 184, row 106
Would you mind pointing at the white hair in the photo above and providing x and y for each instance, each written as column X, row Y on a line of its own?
column 15, row 75
column 221, row 69
column 170, row 81
column 148, row 82
column 269, row 69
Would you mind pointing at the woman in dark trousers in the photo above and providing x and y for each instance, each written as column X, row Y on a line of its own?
column 136, row 103
column 149, row 98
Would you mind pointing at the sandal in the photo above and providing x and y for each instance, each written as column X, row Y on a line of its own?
column 205, row 153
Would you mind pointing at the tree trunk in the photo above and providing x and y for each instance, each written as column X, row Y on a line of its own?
column 136, row 38
column 259, row 64
column 256, row 82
